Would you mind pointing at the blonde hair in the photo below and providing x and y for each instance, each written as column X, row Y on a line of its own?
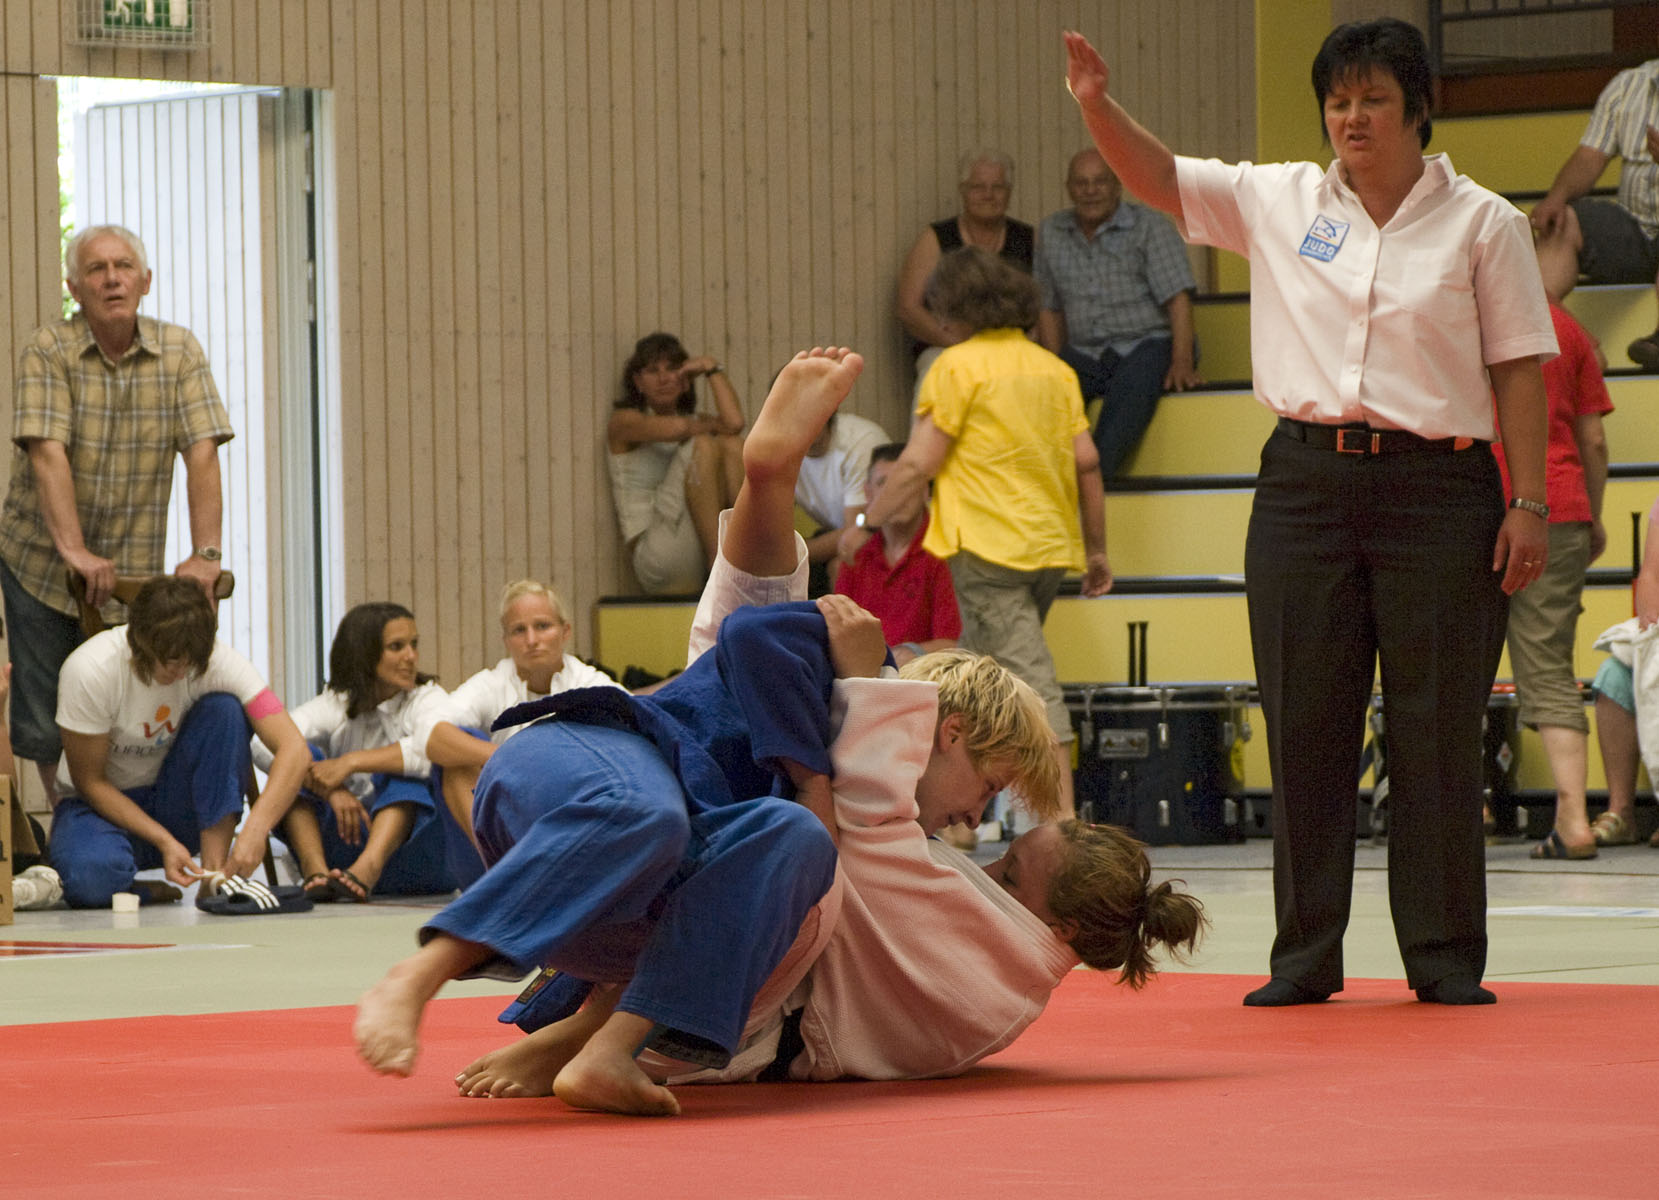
column 520, row 588
column 1104, row 887
column 1004, row 722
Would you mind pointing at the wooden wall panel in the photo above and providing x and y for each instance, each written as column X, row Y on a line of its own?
column 527, row 186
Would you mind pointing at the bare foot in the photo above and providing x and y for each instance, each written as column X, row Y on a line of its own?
column 612, row 1083
column 387, row 1026
column 804, row 396
column 523, row 1068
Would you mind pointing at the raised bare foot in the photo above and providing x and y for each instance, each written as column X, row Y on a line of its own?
column 387, row 1026
column 606, row 1082
column 804, row 396
column 522, row 1069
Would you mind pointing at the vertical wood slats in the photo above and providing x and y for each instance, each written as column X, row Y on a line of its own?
column 526, row 186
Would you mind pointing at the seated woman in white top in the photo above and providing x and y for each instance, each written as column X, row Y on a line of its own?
column 535, row 629
column 673, row 469
column 155, row 717
column 373, row 821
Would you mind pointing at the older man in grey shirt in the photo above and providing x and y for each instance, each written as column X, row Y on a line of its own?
column 1116, row 304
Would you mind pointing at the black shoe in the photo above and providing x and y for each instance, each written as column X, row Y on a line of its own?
column 1455, row 989
column 1281, row 993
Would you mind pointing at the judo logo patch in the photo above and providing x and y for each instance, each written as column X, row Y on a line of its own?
column 1324, row 238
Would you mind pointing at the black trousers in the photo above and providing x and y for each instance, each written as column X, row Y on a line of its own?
column 1350, row 561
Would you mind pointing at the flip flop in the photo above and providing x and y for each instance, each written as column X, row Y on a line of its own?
column 316, row 888
column 1644, row 351
column 347, row 888
column 1610, row 829
column 238, row 897
column 1553, row 847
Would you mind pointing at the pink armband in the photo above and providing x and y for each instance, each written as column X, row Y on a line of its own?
column 263, row 705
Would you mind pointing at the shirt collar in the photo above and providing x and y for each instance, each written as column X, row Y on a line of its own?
column 1123, row 217
column 1438, row 173
column 146, row 341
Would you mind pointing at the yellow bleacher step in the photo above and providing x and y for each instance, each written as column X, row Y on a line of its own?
column 1517, row 152
column 1616, row 314
column 1223, row 329
column 1164, row 533
column 1203, row 433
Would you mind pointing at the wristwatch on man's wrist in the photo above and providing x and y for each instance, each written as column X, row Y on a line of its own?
column 208, row 553
column 860, row 522
column 1536, row 507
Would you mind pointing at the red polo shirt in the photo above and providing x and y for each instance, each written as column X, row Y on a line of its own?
column 914, row 600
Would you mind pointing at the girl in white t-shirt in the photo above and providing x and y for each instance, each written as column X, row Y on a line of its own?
column 374, row 821
column 155, row 718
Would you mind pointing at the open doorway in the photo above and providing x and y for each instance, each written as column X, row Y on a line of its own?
column 220, row 184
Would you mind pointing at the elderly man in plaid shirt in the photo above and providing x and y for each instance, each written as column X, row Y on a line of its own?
column 1609, row 241
column 102, row 404
column 1116, row 304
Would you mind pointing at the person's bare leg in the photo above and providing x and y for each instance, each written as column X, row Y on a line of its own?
column 1568, row 752
column 702, row 492
column 387, row 1026
column 527, row 1067
column 49, row 782
column 459, row 783
column 216, row 840
column 604, row 1076
column 731, row 467
column 1616, row 735
column 388, row 829
column 760, row 534
column 1558, row 257
column 305, row 838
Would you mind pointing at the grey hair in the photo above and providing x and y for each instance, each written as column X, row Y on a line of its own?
column 966, row 164
column 72, row 248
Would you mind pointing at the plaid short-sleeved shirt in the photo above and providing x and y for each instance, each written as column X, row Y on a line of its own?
column 1618, row 129
column 122, row 425
column 1112, row 287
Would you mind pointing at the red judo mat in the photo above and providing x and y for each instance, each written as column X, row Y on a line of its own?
column 1173, row 1092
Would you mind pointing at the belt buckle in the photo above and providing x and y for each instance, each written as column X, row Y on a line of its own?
column 1364, row 441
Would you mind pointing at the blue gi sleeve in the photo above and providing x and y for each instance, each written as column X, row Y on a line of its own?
column 774, row 661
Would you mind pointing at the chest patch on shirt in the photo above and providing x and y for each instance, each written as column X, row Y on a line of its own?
column 1324, row 238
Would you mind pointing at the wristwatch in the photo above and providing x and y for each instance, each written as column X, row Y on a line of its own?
column 208, row 553
column 860, row 523
column 1535, row 507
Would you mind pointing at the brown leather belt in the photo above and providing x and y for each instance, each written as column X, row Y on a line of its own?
column 1358, row 439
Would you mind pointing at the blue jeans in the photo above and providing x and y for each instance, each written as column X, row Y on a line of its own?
column 200, row 784
column 419, row 867
column 39, row 638
column 1129, row 386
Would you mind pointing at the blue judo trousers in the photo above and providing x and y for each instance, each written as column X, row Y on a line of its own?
column 643, row 839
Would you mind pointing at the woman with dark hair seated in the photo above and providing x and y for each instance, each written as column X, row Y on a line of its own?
column 673, row 469
column 375, row 820
column 155, row 717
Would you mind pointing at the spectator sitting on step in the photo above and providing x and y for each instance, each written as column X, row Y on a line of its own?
column 1116, row 304
column 830, row 489
column 1618, row 706
column 896, row 578
column 985, row 179
column 672, row 468
column 1609, row 241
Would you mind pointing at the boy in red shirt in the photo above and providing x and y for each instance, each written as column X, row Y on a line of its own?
column 907, row 588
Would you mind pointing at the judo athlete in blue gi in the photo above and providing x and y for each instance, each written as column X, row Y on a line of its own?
column 644, row 839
